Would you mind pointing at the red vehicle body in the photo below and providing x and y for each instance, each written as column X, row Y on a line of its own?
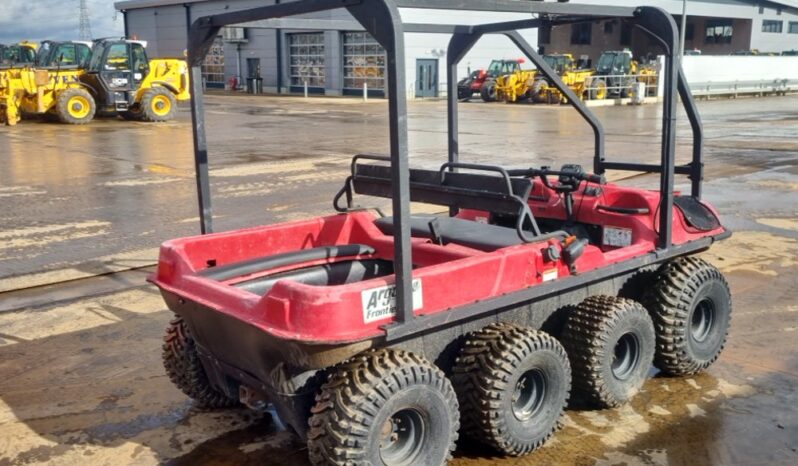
column 295, row 312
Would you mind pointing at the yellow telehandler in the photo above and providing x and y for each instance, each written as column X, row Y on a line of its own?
column 527, row 85
column 118, row 78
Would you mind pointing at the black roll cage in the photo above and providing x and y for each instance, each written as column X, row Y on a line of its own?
column 382, row 20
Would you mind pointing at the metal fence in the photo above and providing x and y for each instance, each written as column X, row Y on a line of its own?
column 622, row 85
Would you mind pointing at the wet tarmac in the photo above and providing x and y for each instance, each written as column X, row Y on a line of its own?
column 80, row 377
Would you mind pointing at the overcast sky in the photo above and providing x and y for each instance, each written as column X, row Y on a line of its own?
column 55, row 19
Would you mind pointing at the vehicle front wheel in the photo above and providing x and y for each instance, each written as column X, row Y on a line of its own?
column 690, row 303
column 384, row 407
column 488, row 92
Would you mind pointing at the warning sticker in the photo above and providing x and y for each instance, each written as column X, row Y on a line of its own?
column 380, row 303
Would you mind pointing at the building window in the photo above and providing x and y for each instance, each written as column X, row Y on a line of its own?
column 306, row 59
column 626, row 33
column 364, row 62
column 769, row 25
column 544, row 34
column 719, row 31
column 213, row 65
column 580, row 33
column 793, row 27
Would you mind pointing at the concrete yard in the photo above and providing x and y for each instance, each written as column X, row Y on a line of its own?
column 85, row 208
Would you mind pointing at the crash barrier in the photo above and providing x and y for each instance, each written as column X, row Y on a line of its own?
column 738, row 75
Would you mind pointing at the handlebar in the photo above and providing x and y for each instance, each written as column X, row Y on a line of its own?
column 545, row 172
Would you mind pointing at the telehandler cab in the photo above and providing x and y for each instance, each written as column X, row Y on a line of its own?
column 117, row 79
column 382, row 340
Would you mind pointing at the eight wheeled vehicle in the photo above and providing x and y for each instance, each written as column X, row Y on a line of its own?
column 380, row 340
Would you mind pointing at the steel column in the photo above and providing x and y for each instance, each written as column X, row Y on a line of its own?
column 459, row 45
column 201, row 151
column 697, row 165
column 383, row 22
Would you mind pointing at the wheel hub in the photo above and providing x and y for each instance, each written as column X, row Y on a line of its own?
column 626, row 356
column 702, row 320
column 402, row 437
column 529, row 393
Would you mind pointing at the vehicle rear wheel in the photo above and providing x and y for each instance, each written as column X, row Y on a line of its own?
column 539, row 90
column 384, row 407
column 513, row 384
column 488, row 91
column 610, row 342
column 75, row 106
column 690, row 303
column 158, row 104
column 184, row 368
column 599, row 90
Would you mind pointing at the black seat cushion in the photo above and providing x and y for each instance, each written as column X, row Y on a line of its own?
column 697, row 214
column 458, row 231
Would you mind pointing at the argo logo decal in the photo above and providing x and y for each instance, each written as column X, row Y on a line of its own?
column 380, row 303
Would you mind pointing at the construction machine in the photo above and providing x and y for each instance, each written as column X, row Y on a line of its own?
column 483, row 82
column 23, row 53
column 529, row 85
column 118, row 79
column 63, row 54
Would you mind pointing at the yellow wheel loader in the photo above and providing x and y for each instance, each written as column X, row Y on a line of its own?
column 527, row 85
column 576, row 78
column 23, row 53
column 119, row 79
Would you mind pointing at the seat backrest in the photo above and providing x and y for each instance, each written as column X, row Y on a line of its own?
column 452, row 189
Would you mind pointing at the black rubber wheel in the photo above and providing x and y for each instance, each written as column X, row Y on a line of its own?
column 488, row 91
column 157, row 104
column 599, row 89
column 75, row 106
column 690, row 304
column 134, row 113
column 464, row 95
column 610, row 342
column 185, row 370
column 513, row 385
column 384, row 407
column 539, row 91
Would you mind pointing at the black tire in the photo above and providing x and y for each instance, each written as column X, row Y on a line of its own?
column 75, row 106
column 360, row 411
column 538, row 91
column 610, row 342
column 184, row 368
column 599, row 89
column 690, row 304
column 134, row 113
column 513, row 385
column 464, row 94
column 158, row 104
column 488, row 91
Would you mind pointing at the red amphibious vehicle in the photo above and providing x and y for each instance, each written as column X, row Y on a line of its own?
column 383, row 339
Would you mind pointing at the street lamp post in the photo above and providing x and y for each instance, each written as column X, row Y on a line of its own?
column 683, row 28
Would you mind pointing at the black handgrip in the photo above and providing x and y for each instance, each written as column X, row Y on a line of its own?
column 598, row 179
column 624, row 210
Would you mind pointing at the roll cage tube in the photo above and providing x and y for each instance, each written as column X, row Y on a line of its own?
column 382, row 20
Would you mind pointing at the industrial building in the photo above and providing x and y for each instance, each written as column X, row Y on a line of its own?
column 334, row 56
